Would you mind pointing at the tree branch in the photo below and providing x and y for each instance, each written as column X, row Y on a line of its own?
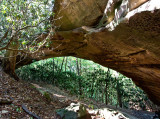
column 31, row 25
column 30, row 113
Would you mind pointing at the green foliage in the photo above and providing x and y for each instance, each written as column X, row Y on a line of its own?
column 25, row 20
column 47, row 95
column 93, row 79
column 18, row 109
column 91, row 106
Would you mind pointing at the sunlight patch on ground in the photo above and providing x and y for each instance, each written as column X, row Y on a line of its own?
column 59, row 96
column 37, row 86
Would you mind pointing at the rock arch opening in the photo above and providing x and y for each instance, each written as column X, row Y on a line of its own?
column 87, row 79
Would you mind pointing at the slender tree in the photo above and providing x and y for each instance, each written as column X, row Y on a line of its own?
column 106, row 86
column 53, row 70
column 66, row 64
column 119, row 94
column 62, row 65
column 79, row 79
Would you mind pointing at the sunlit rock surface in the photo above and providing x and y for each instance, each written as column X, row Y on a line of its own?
column 70, row 14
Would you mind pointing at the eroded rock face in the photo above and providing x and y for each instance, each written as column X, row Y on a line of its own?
column 72, row 14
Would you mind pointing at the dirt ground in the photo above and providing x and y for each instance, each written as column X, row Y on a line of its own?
column 14, row 96
column 64, row 96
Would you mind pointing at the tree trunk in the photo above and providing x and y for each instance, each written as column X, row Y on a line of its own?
column 92, row 89
column 62, row 65
column 102, row 95
column 9, row 62
column 57, row 66
column 66, row 65
column 53, row 80
column 106, row 95
column 106, row 88
column 53, row 68
column 80, row 67
column 111, row 98
column 119, row 96
column 79, row 79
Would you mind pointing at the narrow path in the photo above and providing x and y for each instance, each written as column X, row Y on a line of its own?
column 106, row 111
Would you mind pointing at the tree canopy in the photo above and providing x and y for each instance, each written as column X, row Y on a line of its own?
column 23, row 22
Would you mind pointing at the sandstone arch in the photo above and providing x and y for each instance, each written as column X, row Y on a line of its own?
column 132, row 48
